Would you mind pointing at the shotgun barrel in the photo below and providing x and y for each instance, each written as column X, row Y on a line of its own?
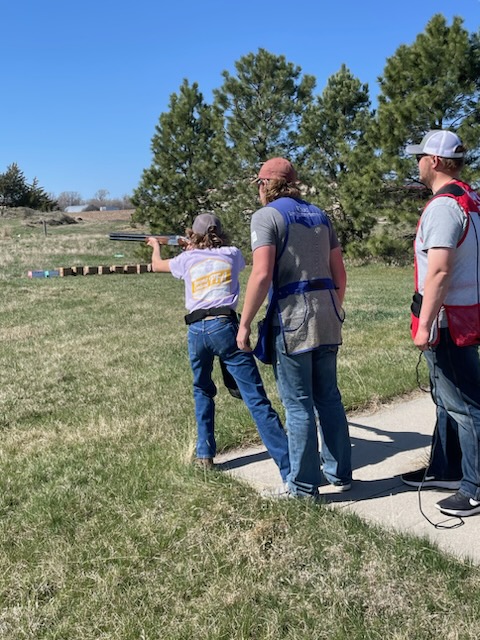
column 177, row 241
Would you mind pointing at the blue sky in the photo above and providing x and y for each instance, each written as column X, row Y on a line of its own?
column 84, row 83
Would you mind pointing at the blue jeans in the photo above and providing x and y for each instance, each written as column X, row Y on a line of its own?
column 307, row 385
column 455, row 376
column 446, row 455
column 218, row 337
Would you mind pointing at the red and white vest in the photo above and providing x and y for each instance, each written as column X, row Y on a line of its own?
column 462, row 302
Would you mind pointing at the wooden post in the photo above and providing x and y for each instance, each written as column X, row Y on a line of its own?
column 90, row 271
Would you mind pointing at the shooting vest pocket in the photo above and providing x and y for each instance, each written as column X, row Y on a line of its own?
column 464, row 324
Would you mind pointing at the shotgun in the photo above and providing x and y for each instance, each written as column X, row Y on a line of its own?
column 175, row 241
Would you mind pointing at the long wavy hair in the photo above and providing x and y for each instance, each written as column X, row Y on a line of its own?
column 209, row 240
column 279, row 188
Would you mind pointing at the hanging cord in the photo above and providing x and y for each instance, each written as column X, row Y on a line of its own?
column 439, row 525
column 417, row 373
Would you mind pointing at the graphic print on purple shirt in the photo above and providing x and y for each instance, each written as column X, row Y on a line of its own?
column 210, row 276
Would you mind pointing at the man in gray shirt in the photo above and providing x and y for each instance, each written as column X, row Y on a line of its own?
column 296, row 255
column 446, row 309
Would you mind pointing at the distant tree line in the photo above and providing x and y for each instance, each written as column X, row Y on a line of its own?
column 15, row 191
column 349, row 156
column 100, row 199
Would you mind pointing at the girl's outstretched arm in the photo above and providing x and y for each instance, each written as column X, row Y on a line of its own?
column 158, row 264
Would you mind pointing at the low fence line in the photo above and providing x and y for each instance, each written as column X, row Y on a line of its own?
column 62, row 272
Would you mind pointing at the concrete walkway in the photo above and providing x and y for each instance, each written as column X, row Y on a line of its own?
column 385, row 443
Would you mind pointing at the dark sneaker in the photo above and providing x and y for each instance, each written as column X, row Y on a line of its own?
column 420, row 478
column 459, row 505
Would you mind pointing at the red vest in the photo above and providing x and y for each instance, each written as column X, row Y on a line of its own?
column 462, row 302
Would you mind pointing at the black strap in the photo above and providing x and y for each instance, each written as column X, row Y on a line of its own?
column 200, row 314
column 450, row 190
column 416, row 305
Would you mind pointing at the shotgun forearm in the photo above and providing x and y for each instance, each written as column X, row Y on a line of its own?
column 141, row 237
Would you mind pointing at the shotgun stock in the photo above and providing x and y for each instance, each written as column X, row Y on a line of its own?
column 176, row 241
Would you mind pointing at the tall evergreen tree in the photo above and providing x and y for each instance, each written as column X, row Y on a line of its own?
column 187, row 149
column 432, row 84
column 338, row 156
column 37, row 198
column 13, row 186
column 263, row 105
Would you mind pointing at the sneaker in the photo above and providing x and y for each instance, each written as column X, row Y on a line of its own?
column 421, row 478
column 459, row 505
column 204, row 463
column 277, row 493
column 340, row 486
column 283, row 491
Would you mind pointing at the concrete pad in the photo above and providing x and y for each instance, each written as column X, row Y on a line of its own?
column 385, row 443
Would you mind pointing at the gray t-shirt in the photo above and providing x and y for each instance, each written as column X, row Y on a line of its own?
column 441, row 226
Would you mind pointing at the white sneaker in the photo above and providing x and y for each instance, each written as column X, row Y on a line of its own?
column 340, row 487
column 277, row 493
column 282, row 492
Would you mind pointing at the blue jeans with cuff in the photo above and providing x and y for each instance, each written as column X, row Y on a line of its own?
column 218, row 337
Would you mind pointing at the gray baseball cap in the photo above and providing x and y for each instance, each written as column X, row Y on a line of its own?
column 205, row 221
column 438, row 143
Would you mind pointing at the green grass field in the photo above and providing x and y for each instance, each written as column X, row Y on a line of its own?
column 106, row 529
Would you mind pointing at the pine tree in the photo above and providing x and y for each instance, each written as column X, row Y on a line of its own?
column 432, row 84
column 13, row 187
column 37, row 198
column 262, row 106
column 16, row 192
column 187, row 149
column 339, row 159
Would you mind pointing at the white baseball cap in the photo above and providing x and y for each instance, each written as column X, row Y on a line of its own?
column 438, row 143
